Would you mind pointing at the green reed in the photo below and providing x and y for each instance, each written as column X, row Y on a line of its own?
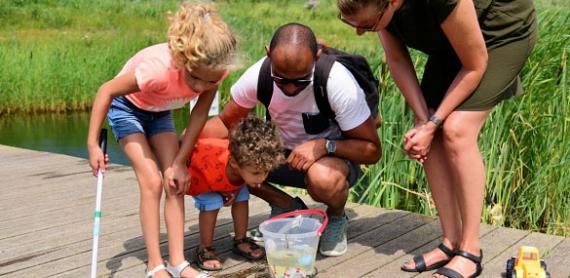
column 55, row 54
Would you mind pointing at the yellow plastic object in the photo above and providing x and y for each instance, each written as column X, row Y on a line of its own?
column 527, row 264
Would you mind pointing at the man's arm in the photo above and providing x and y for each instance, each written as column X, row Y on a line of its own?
column 218, row 127
column 362, row 144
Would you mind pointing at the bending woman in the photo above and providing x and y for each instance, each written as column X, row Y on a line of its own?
column 476, row 51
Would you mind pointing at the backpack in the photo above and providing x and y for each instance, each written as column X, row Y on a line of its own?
column 356, row 64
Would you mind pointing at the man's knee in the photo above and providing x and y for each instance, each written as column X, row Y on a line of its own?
column 327, row 179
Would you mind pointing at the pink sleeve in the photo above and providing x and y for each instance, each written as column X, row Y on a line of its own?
column 152, row 75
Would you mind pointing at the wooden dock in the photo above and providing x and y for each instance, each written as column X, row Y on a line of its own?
column 46, row 215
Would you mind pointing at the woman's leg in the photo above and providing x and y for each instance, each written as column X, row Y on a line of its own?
column 441, row 185
column 460, row 133
column 148, row 175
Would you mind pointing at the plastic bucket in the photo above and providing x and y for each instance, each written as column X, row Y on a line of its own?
column 291, row 243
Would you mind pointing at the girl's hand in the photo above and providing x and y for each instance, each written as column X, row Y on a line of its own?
column 97, row 160
column 177, row 177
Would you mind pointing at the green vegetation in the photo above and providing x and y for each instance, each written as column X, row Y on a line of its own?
column 55, row 54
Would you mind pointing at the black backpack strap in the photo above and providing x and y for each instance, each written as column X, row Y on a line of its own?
column 265, row 86
column 321, row 76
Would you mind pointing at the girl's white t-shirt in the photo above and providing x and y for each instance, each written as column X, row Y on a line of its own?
column 346, row 99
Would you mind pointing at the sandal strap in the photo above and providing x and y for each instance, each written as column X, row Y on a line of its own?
column 248, row 240
column 150, row 273
column 469, row 256
column 446, row 250
column 420, row 263
column 175, row 271
column 448, row 272
column 207, row 253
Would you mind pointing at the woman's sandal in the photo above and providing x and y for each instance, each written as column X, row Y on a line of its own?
column 150, row 273
column 207, row 254
column 176, row 271
column 421, row 264
column 450, row 273
column 252, row 248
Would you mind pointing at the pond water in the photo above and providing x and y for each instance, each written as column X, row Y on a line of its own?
column 63, row 133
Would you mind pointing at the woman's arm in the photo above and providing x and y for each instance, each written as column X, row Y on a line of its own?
column 119, row 86
column 462, row 30
column 404, row 74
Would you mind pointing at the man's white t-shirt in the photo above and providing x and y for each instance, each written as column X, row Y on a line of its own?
column 346, row 99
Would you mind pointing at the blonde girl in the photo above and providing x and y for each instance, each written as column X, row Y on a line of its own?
column 138, row 104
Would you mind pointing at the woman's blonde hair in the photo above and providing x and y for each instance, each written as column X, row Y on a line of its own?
column 197, row 36
column 352, row 7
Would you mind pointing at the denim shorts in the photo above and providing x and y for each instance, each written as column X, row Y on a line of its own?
column 213, row 200
column 126, row 119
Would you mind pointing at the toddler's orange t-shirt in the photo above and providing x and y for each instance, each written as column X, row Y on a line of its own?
column 207, row 168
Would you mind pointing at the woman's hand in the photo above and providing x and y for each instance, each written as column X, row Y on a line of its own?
column 417, row 141
column 97, row 160
column 177, row 177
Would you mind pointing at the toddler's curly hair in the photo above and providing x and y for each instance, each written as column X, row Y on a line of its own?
column 256, row 143
column 197, row 36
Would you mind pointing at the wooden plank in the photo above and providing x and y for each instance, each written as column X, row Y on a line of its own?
column 558, row 259
column 132, row 264
column 114, row 255
column 393, row 269
column 112, row 235
column 493, row 243
column 390, row 244
column 543, row 242
column 362, row 219
column 223, row 245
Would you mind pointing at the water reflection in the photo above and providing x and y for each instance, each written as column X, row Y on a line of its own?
column 62, row 133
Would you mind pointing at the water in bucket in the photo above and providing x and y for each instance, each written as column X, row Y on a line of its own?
column 291, row 243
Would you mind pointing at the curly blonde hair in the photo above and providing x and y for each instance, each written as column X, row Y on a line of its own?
column 256, row 143
column 197, row 36
column 352, row 7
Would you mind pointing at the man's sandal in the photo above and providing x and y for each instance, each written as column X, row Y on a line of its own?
column 421, row 264
column 150, row 273
column 207, row 254
column 448, row 272
column 252, row 248
column 176, row 271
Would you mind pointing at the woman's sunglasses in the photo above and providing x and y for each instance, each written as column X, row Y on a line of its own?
column 374, row 27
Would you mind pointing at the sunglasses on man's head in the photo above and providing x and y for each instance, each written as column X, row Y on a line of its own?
column 299, row 83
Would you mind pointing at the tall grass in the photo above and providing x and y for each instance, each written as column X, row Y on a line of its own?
column 55, row 54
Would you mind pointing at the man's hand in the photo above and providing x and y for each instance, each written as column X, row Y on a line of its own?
column 177, row 177
column 304, row 155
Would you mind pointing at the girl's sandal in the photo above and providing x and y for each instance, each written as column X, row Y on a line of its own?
column 207, row 254
column 176, row 271
column 252, row 248
column 150, row 273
